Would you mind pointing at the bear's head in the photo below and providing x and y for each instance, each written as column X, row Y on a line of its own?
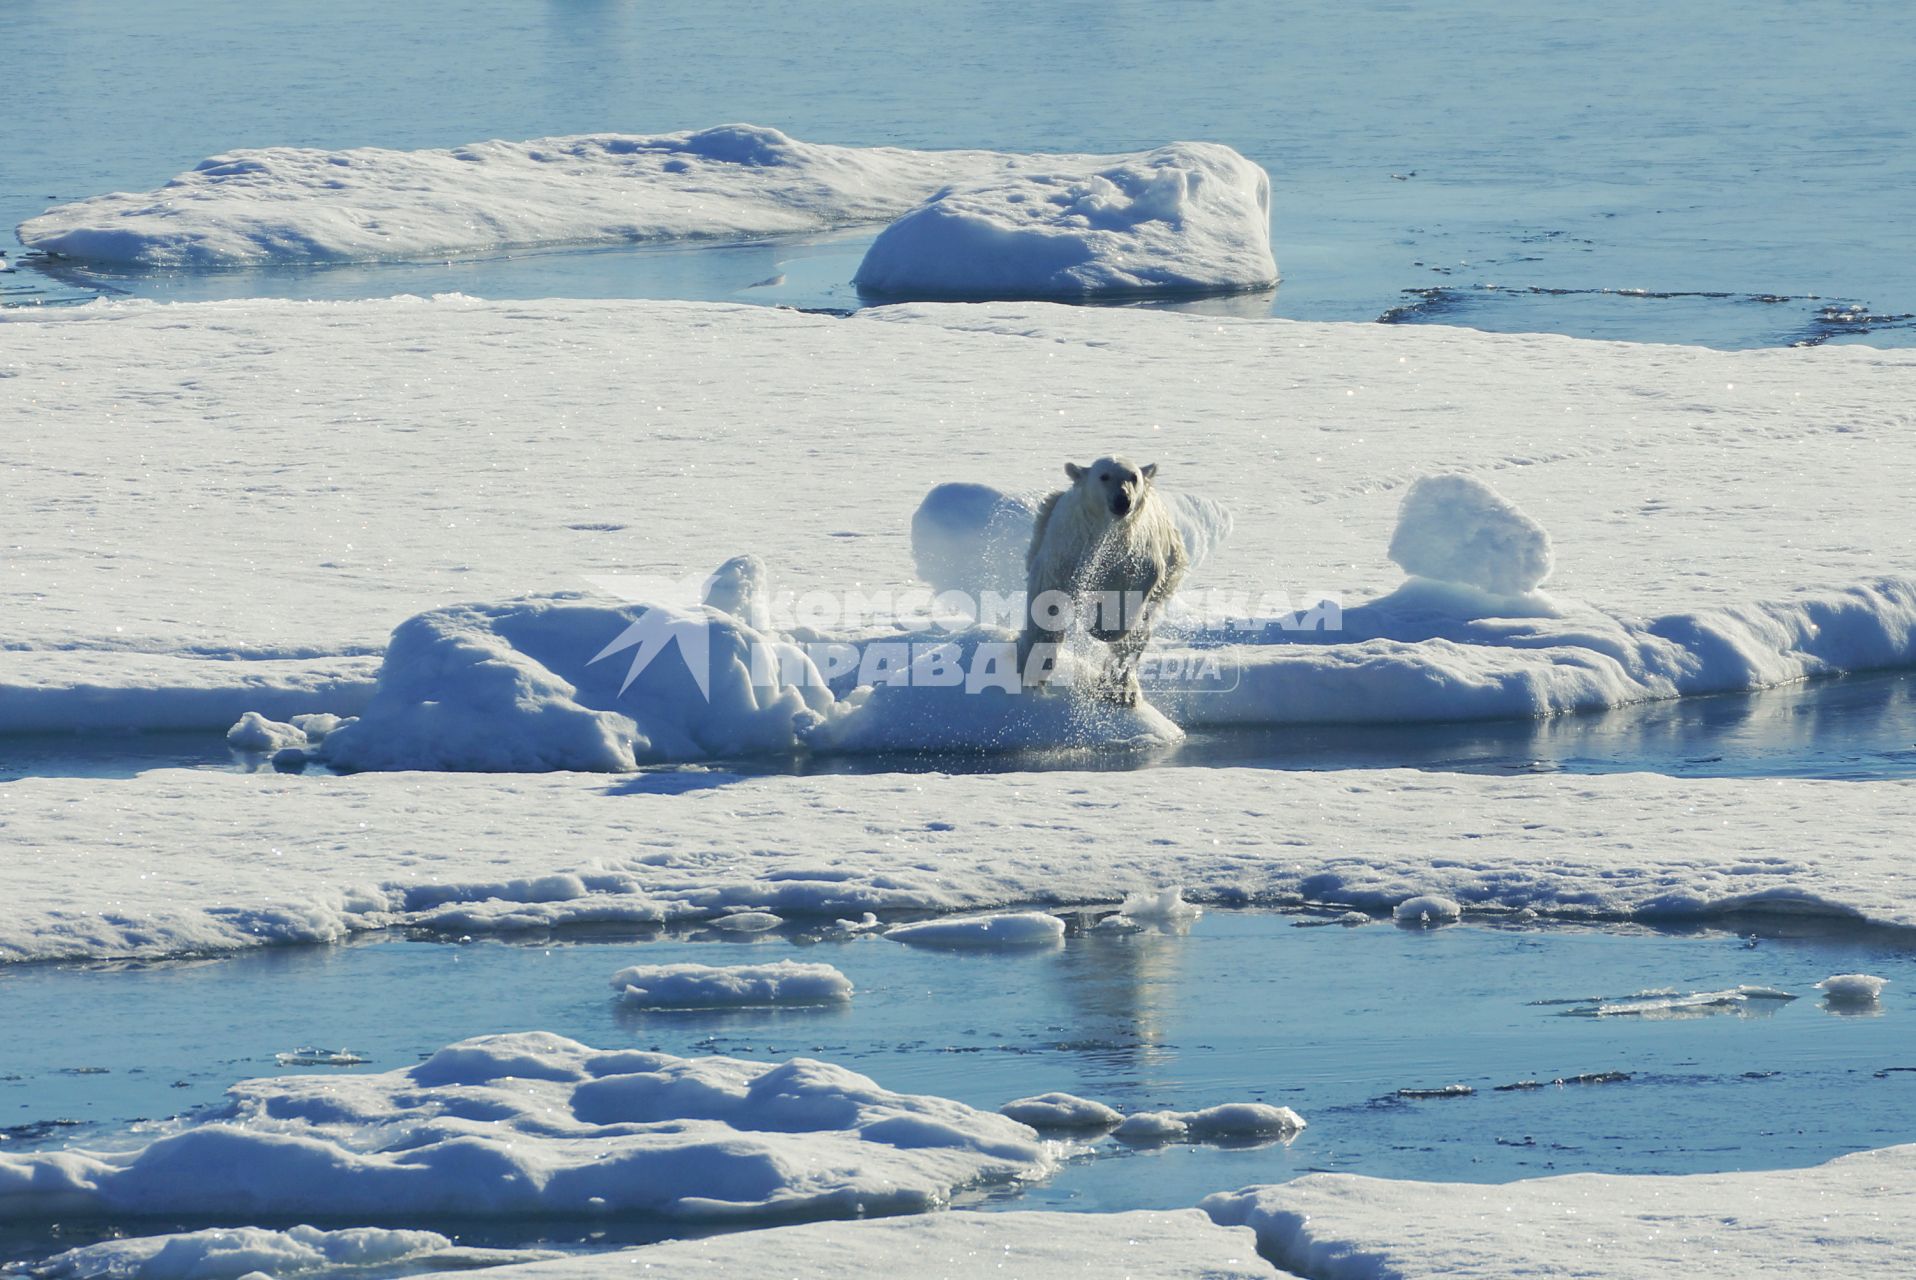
column 1117, row 485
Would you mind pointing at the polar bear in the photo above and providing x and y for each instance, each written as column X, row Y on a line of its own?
column 1107, row 549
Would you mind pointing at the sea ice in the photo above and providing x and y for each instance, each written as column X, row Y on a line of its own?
column 1060, row 1111
column 1839, row 1219
column 1852, row 988
column 1228, row 1122
column 1181, row 1244
column 1004, row 930
column 535, row 1125
column 699, row 986
column 1427, row 909
column 228, row 1253
column 1189, row 218
column 257, row 207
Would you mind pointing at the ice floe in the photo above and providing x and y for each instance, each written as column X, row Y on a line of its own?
column 535, row 1125
column 1852, row 988
column 1003, row 931
column 1228, row 1122
column 228, row 1253
column 1182, row 1244
column 1184, row 219
column 1672, row 575
column 1837, row 1219
column 270, row 205
column 179, row 861
column 701, row 986
column 1060, row 1111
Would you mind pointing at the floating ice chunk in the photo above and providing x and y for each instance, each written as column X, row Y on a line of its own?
column 1189, row 218
column 1456, row 528
column 865, row 924
column 972, row 538
column 1427, row 909
column 1153, row 1126
column 535, row 1125
column 255, row 732
column 1244, row 1120
column 1160, row 906
column 310, row 1056
column 746, row 922
column 1667, row 1005
column 295, row 204
column 1443, row 1091
column 232, row 1253
column 1852, row 988
column 1060, row 1111
column 1006, row 930
column 698, row 986
column 1229, row 1122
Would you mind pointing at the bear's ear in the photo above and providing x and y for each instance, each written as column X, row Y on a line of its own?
column 1150, row 470
column 1075, row 471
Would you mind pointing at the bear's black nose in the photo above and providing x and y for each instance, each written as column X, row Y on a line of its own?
column 1120, row 505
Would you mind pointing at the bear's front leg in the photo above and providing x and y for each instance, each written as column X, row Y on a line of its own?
column 1118, row 683
column 1038, row 652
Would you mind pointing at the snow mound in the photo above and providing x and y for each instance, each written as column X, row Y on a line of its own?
column 1228, row 1122
column 699, row 986
column 1837, row 1220
column 1852, row 988
column 1181, row 1244
column 1060, row 1111
column 1189, row 218
column 292, row 204
column 542, row 684
column 1004, row 930
column 535, row 1125
column 227, row 1253
column 1427, row 909
column 972, row 538
column 1456, row 528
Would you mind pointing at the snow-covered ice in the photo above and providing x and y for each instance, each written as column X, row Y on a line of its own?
column 1001, row 931
column 1840, row 1219
column 228, row 1253
column 1427, row 909
column 1852, row 988
column 1189, row 218
column 268, row 205
column 1718, row 520
column 1061, row 1111
column 535, row 1125
column 1227, row 1122
column 1180, row 1244
column 703, row 986
column 1672, row 1005
column 177, row 861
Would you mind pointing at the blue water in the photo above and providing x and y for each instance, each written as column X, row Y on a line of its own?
column 1749, row 170
column 1332, row 1021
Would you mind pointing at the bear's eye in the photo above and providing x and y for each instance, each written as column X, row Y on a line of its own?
column 1105, row 476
